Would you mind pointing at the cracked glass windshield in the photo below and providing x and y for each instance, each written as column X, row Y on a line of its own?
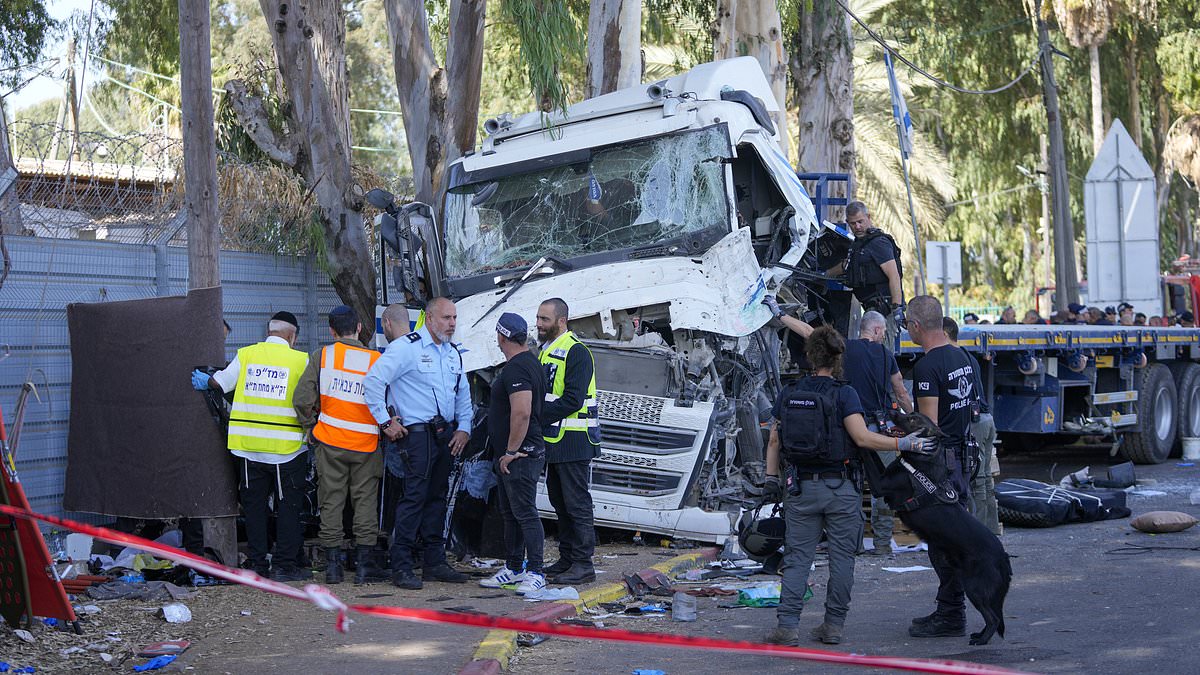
column 627, row 196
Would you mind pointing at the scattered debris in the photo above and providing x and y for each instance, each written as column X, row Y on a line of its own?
column 176, row 612
column 531, row 639
column 23, row 634
column 485, row 563
column 165, row 648
column 762, row 595
column 246, row 612
column 902, row 570
column 567, row 593
column 155, row 663
column 648, row 671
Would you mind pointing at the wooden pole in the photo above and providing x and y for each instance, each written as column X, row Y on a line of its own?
column 200, row 193
column 199, row 145
column 1066, row 280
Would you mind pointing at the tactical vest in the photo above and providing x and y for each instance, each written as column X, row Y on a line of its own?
column 587, row 418
column 864, row 276
column 262, row 418
column 345, row 421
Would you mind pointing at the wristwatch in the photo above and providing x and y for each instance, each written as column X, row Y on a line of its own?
column 386, row 424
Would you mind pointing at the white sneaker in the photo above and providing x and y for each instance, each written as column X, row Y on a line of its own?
column 532, row 583
column 503, row 578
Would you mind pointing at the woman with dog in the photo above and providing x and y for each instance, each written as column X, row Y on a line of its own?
column 818, row 429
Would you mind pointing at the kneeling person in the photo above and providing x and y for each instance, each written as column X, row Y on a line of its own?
column 819, row 429
column 515, row 433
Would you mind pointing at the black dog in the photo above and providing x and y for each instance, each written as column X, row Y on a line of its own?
column 974, row 552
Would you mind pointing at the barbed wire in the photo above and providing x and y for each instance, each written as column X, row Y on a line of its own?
column 129, row 187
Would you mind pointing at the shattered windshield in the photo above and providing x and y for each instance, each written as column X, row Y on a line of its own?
column 626, row 196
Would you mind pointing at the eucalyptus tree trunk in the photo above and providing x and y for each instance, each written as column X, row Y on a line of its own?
column 753, row 28
column 310, row 51
column 614, row 46
column 822, row 67
column 440, row 104
column 1097, row 99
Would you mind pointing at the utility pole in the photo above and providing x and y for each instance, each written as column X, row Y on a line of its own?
column 1043, row 173
column 1066, row 281
column 200, row 191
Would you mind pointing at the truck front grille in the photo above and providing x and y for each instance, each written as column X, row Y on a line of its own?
column 655, row 441
column 629, row 407
column 634, row 481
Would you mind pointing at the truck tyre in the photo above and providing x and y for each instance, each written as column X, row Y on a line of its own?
column 1150, row 440
column 1187, row 388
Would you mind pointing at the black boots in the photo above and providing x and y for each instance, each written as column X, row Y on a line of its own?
column 333, row 565
column 938, row 625
column 367, row 571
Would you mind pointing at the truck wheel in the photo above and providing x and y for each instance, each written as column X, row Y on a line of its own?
column 1187, row 387
column 1150, row 440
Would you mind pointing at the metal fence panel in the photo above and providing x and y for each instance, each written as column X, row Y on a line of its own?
column 48, row 274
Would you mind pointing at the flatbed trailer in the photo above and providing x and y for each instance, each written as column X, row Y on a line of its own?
column 1136, row 385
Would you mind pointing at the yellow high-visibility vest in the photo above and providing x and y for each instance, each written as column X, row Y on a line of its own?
column 262, row 418
column 587, row 418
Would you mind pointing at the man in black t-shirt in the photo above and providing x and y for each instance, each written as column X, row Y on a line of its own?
column 515, row 439
column 983, row 428
column 872, row 371
column 944, row 387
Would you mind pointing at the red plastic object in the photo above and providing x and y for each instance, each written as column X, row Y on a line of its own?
column 28, row 583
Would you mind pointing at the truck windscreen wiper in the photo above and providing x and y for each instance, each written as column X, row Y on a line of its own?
column 533, row 269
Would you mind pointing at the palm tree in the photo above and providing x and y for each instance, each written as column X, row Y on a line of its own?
column 1086, row 24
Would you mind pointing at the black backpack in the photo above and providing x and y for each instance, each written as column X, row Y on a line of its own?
column 811, row 428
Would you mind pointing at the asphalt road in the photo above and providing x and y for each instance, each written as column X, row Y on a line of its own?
column 1074, row 606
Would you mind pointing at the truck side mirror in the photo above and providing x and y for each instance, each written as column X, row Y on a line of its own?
column 381, row 199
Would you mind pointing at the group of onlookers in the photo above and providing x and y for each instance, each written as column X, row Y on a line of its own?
column 1077, row 314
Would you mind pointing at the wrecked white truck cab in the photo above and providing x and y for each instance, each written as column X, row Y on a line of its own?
column 662, row 215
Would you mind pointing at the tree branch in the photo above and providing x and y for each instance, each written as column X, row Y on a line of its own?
column 252, row 115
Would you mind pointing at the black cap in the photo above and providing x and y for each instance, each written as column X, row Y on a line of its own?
column 1124, row 306
column 1110, row 310
column 970, row 316
column 1186, row 316
column 512, row 326
column 286, row 317
column 339, row 312
column 1076, row 308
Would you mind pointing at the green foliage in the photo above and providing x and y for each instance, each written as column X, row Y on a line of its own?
column 24, row 28
column 548, row 33
column 1179, row 59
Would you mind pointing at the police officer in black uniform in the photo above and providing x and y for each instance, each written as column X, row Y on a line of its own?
column 944, row 385
column 873, row 270
column 813, row 456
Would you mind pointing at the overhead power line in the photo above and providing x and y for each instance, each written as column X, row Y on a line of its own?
column 933, row 78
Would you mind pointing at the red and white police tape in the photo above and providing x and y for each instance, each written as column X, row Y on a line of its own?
column 323, row 598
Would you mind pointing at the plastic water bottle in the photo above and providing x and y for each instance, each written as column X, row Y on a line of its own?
column 683, row 607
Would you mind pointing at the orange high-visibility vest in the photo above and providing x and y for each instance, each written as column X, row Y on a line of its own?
column 345, row 421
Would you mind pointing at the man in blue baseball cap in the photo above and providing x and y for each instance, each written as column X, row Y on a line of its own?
column 519, row 454
column 1074, row 312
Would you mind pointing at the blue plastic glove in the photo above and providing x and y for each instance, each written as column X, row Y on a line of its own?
column 773, row 305
column 200, row 380
column 898, row 316
column 916, row 444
